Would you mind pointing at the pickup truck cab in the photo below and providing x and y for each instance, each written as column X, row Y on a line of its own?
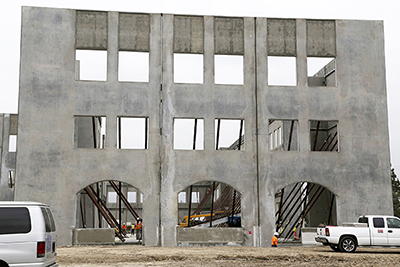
column 27, row 235
column 370, row 230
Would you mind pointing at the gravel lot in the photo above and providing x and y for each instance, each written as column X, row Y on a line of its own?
column 136, row 255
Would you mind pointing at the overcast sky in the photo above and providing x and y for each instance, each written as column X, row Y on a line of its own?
column 386, row 10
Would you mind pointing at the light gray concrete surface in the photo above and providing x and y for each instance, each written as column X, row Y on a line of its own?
column 8, row 126
column 51, row 170
column 204, row 236
column 308, row 236
column 94, row 236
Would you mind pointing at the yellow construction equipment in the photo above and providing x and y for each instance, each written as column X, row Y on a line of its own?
column 185, row 218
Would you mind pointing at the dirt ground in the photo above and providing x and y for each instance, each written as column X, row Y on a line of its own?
column 136, row 255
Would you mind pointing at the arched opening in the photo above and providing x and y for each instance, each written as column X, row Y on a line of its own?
column 302, row 207
column 111, row 204
column 209, row 204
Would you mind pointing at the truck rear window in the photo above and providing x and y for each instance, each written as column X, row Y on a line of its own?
column 14, row 220
column 363, row 220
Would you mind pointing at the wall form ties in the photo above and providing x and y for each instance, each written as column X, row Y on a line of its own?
column 301, row 134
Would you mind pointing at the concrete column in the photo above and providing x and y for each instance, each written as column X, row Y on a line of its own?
column 267, row 212
column 262, row 122
column 112, row 50
column 209, row 135
column 249, row 202
column 112, row 76
column 151, row 195
column 261, row 54
column 168, row 198
column 6, row 193
column 304, row 128
column 4, row 142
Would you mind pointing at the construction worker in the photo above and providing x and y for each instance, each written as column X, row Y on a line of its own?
column 138, row 229
column 275, row 240
column 124, row 229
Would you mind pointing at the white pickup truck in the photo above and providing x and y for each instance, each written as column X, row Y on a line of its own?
column 371, row 230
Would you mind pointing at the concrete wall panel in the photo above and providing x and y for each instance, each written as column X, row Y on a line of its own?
column 94, row 237
column 51, row 154
column 91, row 30
column 188, row 34
column 281, row 37
column 13, row 124
column 1, row 130
column 134, row 32
column 229, row 36
column 7, row 159
column 202, row 236
column 321, row 38
column 52, row 171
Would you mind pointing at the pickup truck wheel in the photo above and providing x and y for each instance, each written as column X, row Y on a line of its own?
column 334, row 247
column 347, row 244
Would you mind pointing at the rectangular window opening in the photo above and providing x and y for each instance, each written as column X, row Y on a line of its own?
column 133, row 66
column 321, row 71
column 283, row 135
column 229, row 69
column 90, row 65
column 188, row 134
column 132, row 133
column 195, row 197
column 282, row 71
column 324, row 136
column 188, row 68
column 132, row 197
column 182, row 197
column 216, row 194
column 90, row 132
column 112, row 197
column 12, row 143
column 229, row 134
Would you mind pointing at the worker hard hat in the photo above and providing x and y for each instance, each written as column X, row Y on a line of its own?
column 276, row 233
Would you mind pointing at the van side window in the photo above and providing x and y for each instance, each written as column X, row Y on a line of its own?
column 378, row 222
column 53, row 224
column 47, row 221
column 14, row 221
column 393, row 223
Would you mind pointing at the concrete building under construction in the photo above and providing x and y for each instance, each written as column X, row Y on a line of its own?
column 210, row 129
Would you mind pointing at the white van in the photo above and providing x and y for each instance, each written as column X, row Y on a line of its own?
column 27, row 235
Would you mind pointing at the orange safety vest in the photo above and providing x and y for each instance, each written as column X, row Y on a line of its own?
column 138, row 225
column 274, row 241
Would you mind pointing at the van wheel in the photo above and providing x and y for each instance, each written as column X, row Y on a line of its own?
column 347, row 244
column 3, row 264
column 334, row 247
